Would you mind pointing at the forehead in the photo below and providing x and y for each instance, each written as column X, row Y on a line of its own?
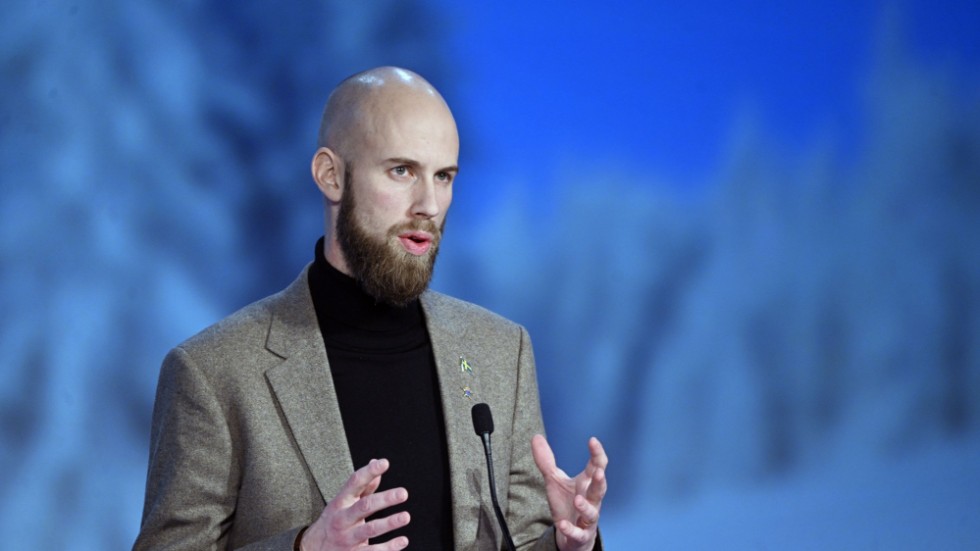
column 413, row 126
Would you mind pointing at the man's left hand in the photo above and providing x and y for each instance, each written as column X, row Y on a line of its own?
column 574, row 502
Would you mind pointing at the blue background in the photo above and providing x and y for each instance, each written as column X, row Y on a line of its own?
column 743, row 236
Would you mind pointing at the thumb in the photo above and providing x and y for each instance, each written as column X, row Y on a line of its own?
column 544, row 458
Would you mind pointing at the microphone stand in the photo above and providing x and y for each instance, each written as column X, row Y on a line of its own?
column 493, row 494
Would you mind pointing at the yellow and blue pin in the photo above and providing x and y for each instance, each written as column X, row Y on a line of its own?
column 464, row 367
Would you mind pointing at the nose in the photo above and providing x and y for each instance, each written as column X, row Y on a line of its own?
column 425, row 203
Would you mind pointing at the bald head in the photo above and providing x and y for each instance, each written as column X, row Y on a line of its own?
column 357, row 102
column 387, row 138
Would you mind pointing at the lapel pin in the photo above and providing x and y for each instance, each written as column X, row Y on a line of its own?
column 464, row 366
column 467, row 393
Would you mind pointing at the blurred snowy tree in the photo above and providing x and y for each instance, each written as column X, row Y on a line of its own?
column 809, row 310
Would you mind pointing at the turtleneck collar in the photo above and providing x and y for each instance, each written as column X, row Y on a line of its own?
column 350, row 318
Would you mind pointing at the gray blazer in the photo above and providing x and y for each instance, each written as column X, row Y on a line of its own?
column 247, row 442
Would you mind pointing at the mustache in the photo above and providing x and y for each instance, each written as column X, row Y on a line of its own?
column 418, row 225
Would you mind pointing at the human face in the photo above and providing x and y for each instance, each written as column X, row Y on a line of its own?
column 405, row 165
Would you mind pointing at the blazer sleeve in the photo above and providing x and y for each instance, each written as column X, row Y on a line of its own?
column 193, row 474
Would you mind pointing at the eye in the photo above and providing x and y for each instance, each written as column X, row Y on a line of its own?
column 401, row 170
column 444, row 176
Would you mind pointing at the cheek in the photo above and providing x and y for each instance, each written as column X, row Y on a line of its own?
column 445, row 198
column 383, row 211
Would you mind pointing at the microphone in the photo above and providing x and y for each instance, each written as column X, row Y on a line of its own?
column 483, row 425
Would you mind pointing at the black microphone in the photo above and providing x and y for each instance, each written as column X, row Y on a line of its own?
column 483, row 425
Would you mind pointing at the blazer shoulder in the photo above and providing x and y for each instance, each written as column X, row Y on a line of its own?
column 460, row 313
column 249, row 321
column 248, row 328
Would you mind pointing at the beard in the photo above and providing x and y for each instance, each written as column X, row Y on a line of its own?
column 383, row 268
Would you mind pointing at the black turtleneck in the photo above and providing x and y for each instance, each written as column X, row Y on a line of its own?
column 385, row 376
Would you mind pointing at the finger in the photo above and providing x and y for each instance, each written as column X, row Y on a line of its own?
column 597, row 488
column 371, row 487
column 588, row 513
column 578, row 535
column 401, row 542
column 381, row 526
column 373, row 503
column 597, row 457
column 363, row 482
column 544, row 458
column 598, row 453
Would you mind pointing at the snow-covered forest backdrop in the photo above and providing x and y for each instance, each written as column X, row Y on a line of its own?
column 745, row 240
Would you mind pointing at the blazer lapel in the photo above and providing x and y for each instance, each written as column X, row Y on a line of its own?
column 467, row 464
column 304, row 389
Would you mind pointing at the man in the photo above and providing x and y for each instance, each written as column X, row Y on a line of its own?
column 336, row 413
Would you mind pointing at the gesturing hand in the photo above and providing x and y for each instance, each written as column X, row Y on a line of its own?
column 341, row 525
column 574, row 502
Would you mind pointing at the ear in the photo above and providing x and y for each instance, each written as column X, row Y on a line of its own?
column 326, row 167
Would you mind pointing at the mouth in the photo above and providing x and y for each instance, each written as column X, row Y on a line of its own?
column 416, row 242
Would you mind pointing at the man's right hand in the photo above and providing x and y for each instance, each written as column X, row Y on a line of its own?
column 341, row 525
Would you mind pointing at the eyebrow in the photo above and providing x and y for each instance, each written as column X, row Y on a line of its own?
column 413, row 163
